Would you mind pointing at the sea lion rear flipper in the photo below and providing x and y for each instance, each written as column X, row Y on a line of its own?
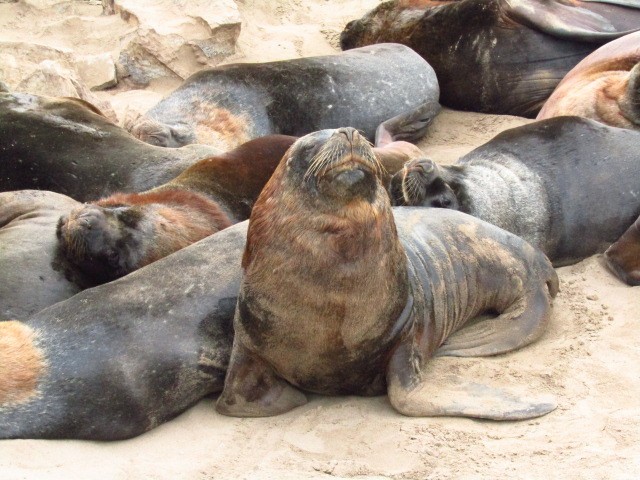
column 435, row 389
column 521, row 324
column 563, row 21
column 253, row 389
column 409, row 126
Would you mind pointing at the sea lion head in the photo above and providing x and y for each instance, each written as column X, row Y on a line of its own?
column 326, row 186
column 102, row 242
column 161, row 134
column 368, row 29
column 420, row 184
column 623, row 257
column 389, row 22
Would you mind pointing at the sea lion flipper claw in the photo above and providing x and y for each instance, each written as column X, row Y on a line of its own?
column 521, row 324
column 436, row 390
column 409, row 126
column 252, row 388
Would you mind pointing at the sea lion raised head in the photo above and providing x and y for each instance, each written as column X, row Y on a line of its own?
column 114, row 236
column 420, row 183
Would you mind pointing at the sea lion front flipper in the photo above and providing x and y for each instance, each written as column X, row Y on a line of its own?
column 521, row 324
column 433, row 388
column 563, row 21
column 253, row 389
column 409, row 126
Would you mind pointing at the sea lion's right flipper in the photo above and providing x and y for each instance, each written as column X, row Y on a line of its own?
column 518, row 326
column 409, row 126
column 436, row 389
column 563, row 21
column 253, row 389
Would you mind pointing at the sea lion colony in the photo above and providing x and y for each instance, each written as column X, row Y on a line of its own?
column 430, row 271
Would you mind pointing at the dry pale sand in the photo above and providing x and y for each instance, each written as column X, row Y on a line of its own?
column 587, row 359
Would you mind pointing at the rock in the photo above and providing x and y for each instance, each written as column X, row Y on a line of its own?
column 97, row 71
column 44, row 70
column 176, row 38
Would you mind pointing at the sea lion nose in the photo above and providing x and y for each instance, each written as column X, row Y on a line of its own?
column 349, row 132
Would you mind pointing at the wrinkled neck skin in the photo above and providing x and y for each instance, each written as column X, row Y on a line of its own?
column 344, row 274
column 506, row 193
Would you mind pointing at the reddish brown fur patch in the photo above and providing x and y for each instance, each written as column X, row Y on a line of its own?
column 221, row 124
column 21, row 363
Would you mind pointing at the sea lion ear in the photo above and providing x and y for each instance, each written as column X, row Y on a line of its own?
column 182, row 135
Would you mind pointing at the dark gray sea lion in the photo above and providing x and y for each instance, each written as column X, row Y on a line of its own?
column 497, row 56
column 64, row 145
column 605, row 86
column 119, row 359
column 231, row 104
column 32, row 275
column 336, row 300
column 623, row 257
column 567, row 185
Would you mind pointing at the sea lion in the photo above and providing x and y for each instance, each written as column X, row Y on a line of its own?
column 567, row 185
column 336, row 300
column 496, row 56
column 64, row 145
column 119, row 359
column 384, row 86
column 111, row 237
column 605, row 86
column 623, row 257
column 32, row 275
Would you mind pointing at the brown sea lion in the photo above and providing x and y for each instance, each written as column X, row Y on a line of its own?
column 387, row 87
column 623, row 257
column 567, row 185
column 336, row 300
column 496, row 56
column 111, row 237
column 605, row 86
column 65, row 145
column 114, row 236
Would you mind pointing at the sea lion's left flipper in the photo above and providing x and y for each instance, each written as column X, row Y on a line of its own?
column 409, row 126
column 435, row 389
column 253, row 389
column 519, row 325
column 564, row 21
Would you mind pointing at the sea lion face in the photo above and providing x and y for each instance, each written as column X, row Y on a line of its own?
column 102, row 242
column 335, row 166
column 623, row 257
column 420, row 184
column 162, row 135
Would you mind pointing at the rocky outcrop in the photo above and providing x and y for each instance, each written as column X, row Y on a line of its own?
column 175, row 38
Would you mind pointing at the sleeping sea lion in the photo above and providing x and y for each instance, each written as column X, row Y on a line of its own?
column 65, row 145
column 496, row 56
column 605, row 86
column 567, row 185
column 387, row 87
column 336, row 300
